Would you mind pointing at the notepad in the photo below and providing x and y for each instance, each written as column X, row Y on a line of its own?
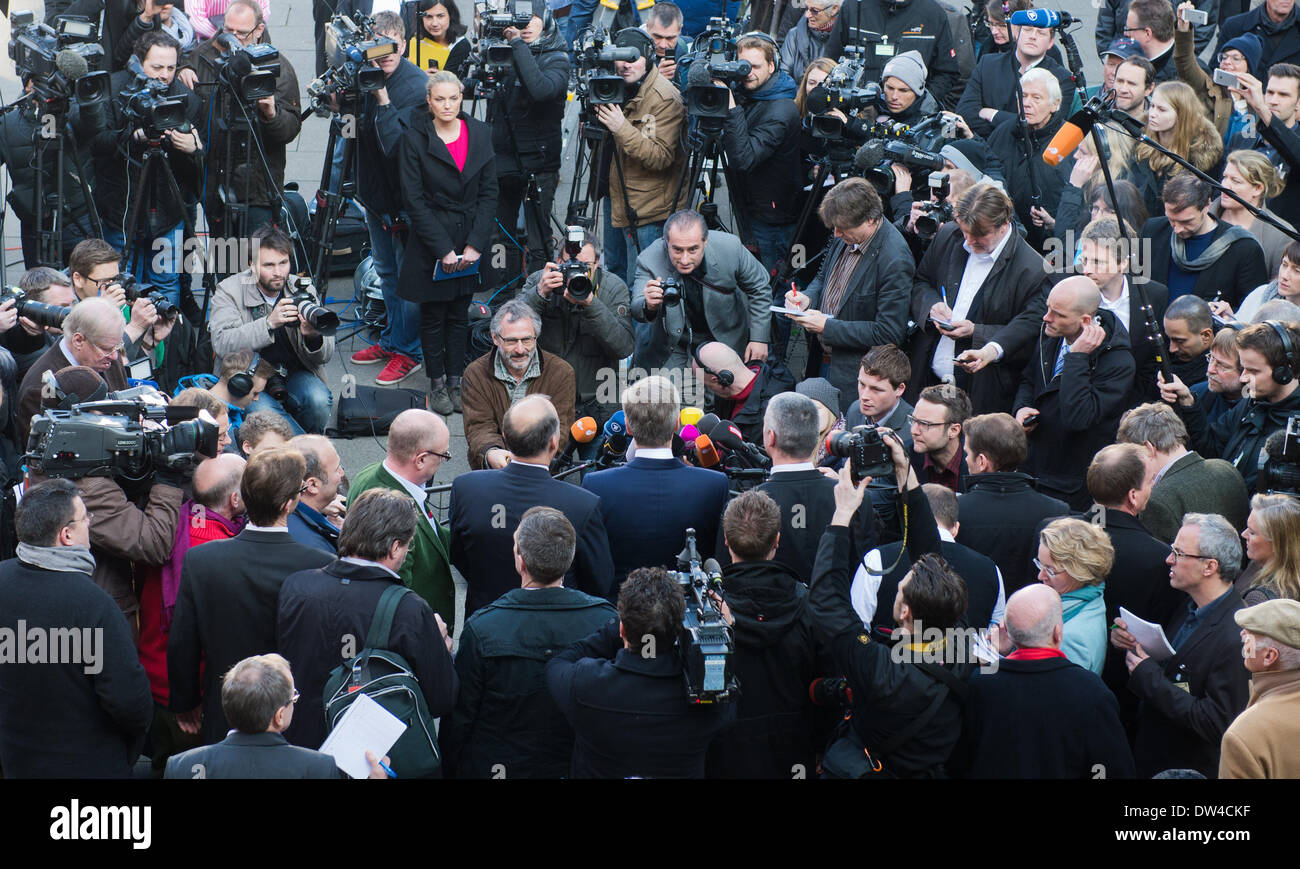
column 366, row 726
column 1149, row 635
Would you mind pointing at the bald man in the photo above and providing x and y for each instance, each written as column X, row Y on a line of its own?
column 313, row 523
column 1035, row 714
column 1073, row 389
column 744, row 400
column 418, row 444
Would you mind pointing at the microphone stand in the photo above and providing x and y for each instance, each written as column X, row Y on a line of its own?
column 1035, row 195
column 1074, row 62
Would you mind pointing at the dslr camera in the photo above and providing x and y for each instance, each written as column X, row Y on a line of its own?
column 349, row 48
column 134, row 290
column 936, row 212
column 578, row 275
column 672, row 291
column 865, row 448
column 321, row 318
column 43, row 315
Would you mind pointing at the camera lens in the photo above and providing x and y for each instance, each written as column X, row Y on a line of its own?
column 320, row 318
column 191, row 436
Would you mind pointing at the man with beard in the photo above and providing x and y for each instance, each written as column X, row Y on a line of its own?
column 251, row 311
column 1221, row 390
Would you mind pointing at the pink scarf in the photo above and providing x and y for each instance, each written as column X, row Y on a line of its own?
column 171, row 571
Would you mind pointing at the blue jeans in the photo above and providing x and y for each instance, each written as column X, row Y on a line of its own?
column 773, row 244
column 402, row 332
column 169, row 260
column 645, row 236
column 309, row 404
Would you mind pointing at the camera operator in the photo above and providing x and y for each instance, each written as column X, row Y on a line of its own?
column 903, row 95
column 761, row 141
column 990, row 96
column 277, row 120
column 590, row 330
column 254, row 310
column 526, row 134
column 806, row 41
column 386, row 115
column 718, row 291
column 646, row 168
column 120, row 149
column 27, row 340
column 919, row 24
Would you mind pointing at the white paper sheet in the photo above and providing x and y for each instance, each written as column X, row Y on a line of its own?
column 1149, row 634
column 366, row 726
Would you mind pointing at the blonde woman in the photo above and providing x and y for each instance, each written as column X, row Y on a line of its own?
column 1251, row 175
column 1272, row 538
column 1177, row 120
column 1074, row 559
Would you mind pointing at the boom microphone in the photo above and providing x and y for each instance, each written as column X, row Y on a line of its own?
column 698, row 74
column 1069, row 136
column 72, row 65
column 869, row 155
column 1046, row 18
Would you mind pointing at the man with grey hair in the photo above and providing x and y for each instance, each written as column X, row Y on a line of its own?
column 649, row 503
column 1036, row 714
column 320, row 609
column 1261, row 743
column 504, row 715
column 1073, row 389
column 722, row 294
column 1190, row 698
column 1182, row 482
column 486, row 507
column 516, row 367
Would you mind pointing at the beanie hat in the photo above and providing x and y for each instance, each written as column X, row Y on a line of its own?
column 908, row 68
column 1251, row 48
column 965, row 154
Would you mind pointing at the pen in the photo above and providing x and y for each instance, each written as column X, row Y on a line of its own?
column 944, row 292
column 388, row 769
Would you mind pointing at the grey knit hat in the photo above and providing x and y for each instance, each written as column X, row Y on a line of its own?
column 820, row 390
column 908, row 68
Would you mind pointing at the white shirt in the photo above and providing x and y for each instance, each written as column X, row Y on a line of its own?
column 63, row 345
column 277, row 528
column 654, row 453
column 1119, row 307
column 795, row 466
column 978, row 266
column 415, row 490
column 367, row 563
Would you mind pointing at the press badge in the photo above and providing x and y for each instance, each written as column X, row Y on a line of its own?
column 884, row 49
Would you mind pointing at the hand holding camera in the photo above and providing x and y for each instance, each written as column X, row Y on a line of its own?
column 284, row 313
column 552, row 279
column 8, row 315
column 654, row 294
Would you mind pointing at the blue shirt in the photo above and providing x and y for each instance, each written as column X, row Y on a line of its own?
column 1194, row 619
column 1181, row 282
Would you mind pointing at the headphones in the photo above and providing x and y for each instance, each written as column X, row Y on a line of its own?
column 760, row 35
column 725, row 377
column 1285, row 373
column 241, row 384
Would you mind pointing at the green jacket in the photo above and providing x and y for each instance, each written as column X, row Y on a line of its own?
column 427, row 568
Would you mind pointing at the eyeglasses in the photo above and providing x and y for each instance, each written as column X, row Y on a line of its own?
column 294, row 700
column 241, row 35
column 446, row 457
column 1053, row 572
column 1133, row 29
column 107, row 351
column 1178, row 554
column 88, row 518
column 305, row 487
column 922, row 423
column 817, row 10
column 1232, row 56
column 526, row 342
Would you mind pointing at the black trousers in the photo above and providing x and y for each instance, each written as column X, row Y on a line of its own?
column 505, row 262
column 444, row 336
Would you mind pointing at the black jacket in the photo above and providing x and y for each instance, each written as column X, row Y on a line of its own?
column 448, row 208
column 993, row 86
column 1000, row 513
column 1007, row 309
column 761, row 140
column 253, row 755
column 1182, row 728
column 629, row 712
column 775, row 661
column 225, row 612
column 504, row 714
column 1023, row 158
column 888, row 696
column 920, row 25
column 1041, row 719
column 485, row 510
column 19, row 131
column 536, row 87
column 978, row 572
column 379, row 138
column 61, row 720
column 1079, row 409
column 772, row 379
column 1240, row 434
column 1285, row 142
column 1283, row 47
column 319, row 607
column 1231, row 277
column 1145, row 386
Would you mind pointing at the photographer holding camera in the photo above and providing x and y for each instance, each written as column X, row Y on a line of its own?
column 586, row 318
column 27, row 339
column 155, row 113
column 276, row 119
column 258, row 310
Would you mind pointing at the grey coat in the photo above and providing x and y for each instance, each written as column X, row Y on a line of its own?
column 238, row 321
column 737, row 296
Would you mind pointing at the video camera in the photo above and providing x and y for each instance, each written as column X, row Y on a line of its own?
column 846, row 88
column 121, row 436
column 706, row 639
column 134, row 291
column 876, row 158
column 250, row 71
column 60, row 64
column 714, row 60
column 150, row 107
column 493, row 56
column 349, row 48
column 321, row 318
column 578, row 275
column 1280, row 473
column 936, row 212
column 43, row 315
column 865, row 448
column 598, row 80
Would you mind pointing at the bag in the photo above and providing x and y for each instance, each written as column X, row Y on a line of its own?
column 372, row 409
column 386, row 678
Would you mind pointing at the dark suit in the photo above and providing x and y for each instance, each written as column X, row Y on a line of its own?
column 1007, row 309
column 226, row 612
column 649, row 503
column 485, row 510
column 53, row 359
column 319, row 607
column 978, row 572
column 1000, row 513
column 252, row 755
column 1182, row 728
column 1145, row 387
column 1195, row 485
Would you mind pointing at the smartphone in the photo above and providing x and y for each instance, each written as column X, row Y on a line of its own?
column 1194, row 16
column 1227, row 79
column 1030, row 420
column 947, row 324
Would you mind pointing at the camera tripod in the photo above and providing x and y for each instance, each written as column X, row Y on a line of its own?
column 593, row 142
column 709, row 150
column 49, row 242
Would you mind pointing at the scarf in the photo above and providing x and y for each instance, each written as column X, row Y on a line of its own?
column 64, row 559
column 1271, row 27
column 779, row 87
column 1083, row 596
column 1033, row 654
column 1218, row 247
column 171, row 570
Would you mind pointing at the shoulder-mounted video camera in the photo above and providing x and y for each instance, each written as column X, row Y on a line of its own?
column 847, row 87
column 250, row 71
column 61, row 63
column 350, row 46
column 150, row 107
column 598, row 80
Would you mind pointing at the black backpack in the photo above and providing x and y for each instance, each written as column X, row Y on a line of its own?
column 385, row 676
column 372, row 409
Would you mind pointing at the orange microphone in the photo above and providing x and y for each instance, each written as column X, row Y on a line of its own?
column 584, row 430
column 1068, row 138
column 706, row 452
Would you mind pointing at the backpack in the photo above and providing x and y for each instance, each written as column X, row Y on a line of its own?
column 372, row 409
column 385, row 676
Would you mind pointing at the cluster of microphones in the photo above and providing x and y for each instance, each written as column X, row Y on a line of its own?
column 702, row 439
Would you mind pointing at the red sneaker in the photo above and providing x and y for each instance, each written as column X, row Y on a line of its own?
column 371, row 355
column 398, row 369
